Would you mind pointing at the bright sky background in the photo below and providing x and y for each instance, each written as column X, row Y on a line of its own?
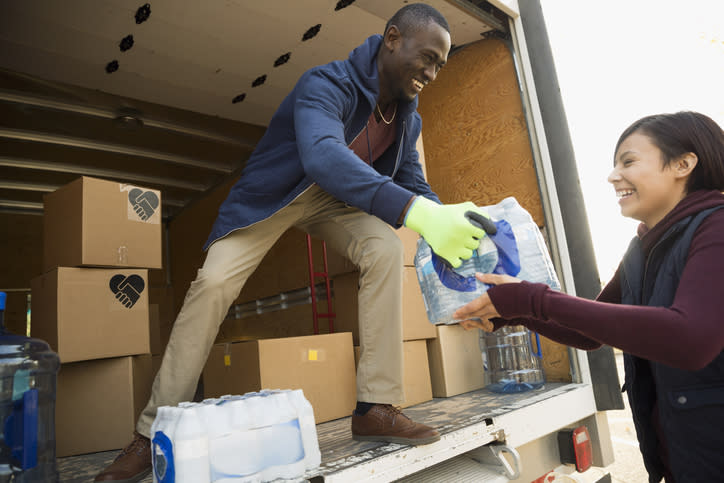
column 620, row 60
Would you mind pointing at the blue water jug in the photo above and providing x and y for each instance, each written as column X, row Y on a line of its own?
column 28, row 373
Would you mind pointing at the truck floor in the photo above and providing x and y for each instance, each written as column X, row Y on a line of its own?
column 465, row 422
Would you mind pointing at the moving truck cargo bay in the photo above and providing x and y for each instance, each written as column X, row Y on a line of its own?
column 98, row 99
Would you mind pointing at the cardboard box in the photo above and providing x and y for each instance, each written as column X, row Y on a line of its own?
column 93, row 222
column 321, row 365
column 416, row 382
column 91, row 313
column 418, row 385
column 98, row 403
column 456, row 361
column 415, row 324
column 154, row 330
column 155, row 365
column 409, row 244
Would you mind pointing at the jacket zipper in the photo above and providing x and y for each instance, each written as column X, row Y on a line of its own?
column 646, row 267
column 399, row 149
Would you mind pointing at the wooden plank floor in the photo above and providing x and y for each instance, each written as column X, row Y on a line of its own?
column 338, row 448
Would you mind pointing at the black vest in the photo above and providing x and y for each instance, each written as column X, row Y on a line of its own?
column 690, row 403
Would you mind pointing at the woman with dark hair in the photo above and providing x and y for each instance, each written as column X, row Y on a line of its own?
column 663, row 307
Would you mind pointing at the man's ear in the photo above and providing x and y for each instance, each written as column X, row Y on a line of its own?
column 685, row 164
column 392, row 37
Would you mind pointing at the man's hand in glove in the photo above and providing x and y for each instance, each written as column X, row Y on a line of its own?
column 446, row 228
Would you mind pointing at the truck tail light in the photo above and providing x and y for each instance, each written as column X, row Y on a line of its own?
column 575, row 447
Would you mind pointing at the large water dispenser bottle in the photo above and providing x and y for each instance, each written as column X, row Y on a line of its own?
column 28, row 372
column 511, row 363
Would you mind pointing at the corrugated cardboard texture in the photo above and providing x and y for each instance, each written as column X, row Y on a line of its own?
column 556, row 363
column 415, row 324
column 98, row 402
column 416, row 382
column 81, row 317
column 409, row 244
column 418, row 385
column 456, row 362
column 93, row 222
column 63, row 226
column 321, row 365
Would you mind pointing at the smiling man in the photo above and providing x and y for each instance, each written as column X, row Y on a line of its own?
column 338, row 160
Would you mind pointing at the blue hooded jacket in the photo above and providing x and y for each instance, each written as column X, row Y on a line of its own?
column 307, row 142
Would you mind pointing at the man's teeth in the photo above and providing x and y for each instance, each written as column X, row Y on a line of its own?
column 623, row 193
column 418, row 84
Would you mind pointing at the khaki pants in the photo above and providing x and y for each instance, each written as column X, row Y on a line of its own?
column 365, row 239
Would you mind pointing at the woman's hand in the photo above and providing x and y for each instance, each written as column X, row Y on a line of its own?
column 477, row 314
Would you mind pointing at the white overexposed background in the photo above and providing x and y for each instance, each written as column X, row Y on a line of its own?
column 620, row 60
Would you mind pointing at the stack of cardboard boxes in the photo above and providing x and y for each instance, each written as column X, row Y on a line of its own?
column 440, row 361
column 91, row 305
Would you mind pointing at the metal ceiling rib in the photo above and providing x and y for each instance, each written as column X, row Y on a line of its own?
column 19, row 98
column 40, row 137
column 100, row 173
column 49, row 188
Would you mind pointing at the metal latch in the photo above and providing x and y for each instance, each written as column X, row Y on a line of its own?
column 492, row 456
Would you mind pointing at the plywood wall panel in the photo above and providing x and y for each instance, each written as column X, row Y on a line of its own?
column 475, row 134
column 477, row 145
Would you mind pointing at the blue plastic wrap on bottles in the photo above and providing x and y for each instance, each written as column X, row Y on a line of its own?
column 517, row 249
column 260, row 436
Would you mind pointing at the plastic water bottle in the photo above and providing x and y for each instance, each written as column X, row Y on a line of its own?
column 510, row 362
column 259, row 436
column 517, row 249
column 28, row 373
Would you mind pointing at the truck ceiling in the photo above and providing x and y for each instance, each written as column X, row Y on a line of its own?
column 168, row 94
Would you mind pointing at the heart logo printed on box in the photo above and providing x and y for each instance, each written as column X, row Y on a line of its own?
column 144, row 203
column 127, row 289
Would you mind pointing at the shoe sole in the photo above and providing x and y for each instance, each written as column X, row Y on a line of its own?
column 133, row 479
column 397, row 440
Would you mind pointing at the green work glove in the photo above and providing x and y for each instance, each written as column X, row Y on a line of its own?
column 446, row 228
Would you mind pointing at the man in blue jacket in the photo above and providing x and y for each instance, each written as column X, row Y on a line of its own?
column 338, row 160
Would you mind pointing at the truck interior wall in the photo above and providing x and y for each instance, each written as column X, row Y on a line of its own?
column 22, row 249
column 477, row 144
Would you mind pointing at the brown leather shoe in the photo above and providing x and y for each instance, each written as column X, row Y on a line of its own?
column 387, row 424
column 132, row 465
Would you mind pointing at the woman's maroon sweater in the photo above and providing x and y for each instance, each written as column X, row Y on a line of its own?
column 688, row 335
